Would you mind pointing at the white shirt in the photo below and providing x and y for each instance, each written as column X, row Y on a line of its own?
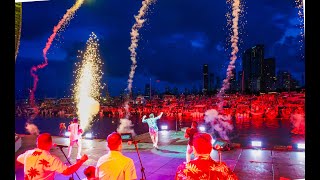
column 115, row 166
column 40, row 164
column 74, row 131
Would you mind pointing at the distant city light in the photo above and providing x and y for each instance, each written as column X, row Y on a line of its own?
column 256, row 143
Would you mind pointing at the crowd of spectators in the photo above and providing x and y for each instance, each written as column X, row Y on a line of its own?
column 190, row 107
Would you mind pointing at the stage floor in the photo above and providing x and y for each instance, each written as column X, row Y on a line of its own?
column 269, row 164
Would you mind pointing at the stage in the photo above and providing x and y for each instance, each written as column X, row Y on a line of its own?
column 261, row 163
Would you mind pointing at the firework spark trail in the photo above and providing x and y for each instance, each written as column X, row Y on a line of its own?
column 301, row 12
column 234, row 45
column 87, row 87
column 134, row 44
column 62, row 23
column 304, row 15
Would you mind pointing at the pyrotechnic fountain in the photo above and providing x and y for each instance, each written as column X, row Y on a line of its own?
column 87, row 86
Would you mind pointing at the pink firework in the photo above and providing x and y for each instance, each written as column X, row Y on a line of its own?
column 66, row 18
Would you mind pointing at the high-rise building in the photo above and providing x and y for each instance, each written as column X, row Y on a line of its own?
column 211, row 82
column 252, row 65
column 240, row 81
column 268, row 75
column 218, row 83
column 286, row 82
column 302, row 79
column 205, row 71
column 147, row 90
column 233, row 81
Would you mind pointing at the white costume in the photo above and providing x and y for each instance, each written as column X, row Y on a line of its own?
column 75, row 137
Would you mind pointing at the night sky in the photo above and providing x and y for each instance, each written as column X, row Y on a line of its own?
column 178, row 37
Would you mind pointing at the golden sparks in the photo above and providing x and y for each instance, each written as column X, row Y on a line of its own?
column 88, row 86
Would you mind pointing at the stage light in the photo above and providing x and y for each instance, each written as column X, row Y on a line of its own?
column 88, row 135
column 126, row 137
column 301, row 146
column 164, row 127
column 221, row 145
column 202, row 128
column 256, row 143
column 67, row 134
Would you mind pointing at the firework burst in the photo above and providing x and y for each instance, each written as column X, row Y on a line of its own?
column 88, row 86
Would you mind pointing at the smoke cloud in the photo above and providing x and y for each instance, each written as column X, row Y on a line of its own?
column 32, row 129
column 125, row 126
column 219, row 123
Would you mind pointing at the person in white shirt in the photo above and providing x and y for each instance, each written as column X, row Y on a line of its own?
column 114, row 165
column 75, row 137
column 39, row 163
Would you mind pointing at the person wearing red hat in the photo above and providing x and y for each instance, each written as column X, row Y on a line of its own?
column 190, row 132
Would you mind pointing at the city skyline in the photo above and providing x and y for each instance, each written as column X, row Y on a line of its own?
column 175, row 41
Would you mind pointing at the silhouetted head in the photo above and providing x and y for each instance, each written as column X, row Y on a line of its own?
column 151, row 115
column 44, row 141
column 75, row 120
column 114, row 141
column 194, row 124
column 89, row 172
column 202, row 143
